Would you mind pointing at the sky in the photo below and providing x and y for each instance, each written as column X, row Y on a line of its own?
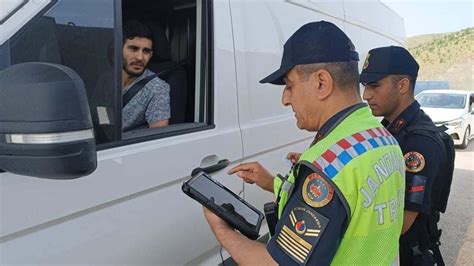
column 433, row 16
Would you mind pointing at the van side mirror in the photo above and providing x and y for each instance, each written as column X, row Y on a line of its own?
column 45, row 124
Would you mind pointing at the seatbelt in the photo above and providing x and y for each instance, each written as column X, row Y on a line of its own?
column 135, row 88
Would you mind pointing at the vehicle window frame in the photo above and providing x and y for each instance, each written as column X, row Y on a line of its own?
column 9, row 15
column 205, row 90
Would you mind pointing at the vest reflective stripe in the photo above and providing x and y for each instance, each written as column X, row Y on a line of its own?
column 340, row 154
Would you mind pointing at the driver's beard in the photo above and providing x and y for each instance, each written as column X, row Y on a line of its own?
column 130, row 73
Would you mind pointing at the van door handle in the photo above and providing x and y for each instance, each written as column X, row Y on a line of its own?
column 211, row 169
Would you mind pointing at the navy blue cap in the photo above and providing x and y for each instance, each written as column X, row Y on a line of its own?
column 315, row 42
column 391, row 60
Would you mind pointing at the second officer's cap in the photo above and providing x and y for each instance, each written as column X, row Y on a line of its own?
column 390, row 60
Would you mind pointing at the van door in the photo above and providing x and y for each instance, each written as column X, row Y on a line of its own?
column 269, row 129
column 131, row 210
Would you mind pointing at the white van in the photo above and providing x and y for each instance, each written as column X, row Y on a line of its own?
column 131, row 209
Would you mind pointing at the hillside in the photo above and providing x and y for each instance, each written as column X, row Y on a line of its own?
column 414, row 41
column 446, row 56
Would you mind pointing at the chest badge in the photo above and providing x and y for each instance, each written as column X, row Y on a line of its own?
column 317, row 192
column 414, row 161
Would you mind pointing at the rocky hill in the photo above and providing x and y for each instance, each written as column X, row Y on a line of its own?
column 446, row 56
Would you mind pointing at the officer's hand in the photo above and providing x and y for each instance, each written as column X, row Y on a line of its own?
column 215, row 222
column 293, row 156
column 254, row 173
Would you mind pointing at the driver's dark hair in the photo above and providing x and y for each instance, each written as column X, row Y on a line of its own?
column 134, row 28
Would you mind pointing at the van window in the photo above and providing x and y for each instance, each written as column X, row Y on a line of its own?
column 87, row 37
column 181, row 58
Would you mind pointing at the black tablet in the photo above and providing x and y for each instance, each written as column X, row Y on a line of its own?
column 225, row 204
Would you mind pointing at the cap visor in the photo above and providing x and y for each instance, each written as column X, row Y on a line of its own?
column 276, row 77
column 371, row 77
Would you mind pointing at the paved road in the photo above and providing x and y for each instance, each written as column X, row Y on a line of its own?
column 458, row 221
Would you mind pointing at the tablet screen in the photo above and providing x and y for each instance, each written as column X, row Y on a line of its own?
column 223, row 198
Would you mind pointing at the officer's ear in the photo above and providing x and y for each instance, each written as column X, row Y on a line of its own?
column 403, row 86
column 324, row 83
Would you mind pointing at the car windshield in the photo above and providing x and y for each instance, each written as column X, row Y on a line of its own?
column 442, row 100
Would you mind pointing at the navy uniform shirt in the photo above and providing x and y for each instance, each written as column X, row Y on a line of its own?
column 422, row 159
column 323, row 228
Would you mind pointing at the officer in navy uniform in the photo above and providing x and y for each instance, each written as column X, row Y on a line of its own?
column 389, row 75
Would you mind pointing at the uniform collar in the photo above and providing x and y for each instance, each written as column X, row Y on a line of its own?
column 335, row 119
column 405, row 118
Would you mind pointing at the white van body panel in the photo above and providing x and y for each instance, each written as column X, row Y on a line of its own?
column 375, row 16
column 131, row 210
column 269, row 129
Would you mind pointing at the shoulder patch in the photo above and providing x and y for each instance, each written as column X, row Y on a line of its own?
column 317, row 192
column 414, row 161
column 301, row 232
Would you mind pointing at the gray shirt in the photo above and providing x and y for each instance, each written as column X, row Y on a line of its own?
column 150, row 105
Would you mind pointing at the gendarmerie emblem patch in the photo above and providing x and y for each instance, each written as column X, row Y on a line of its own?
column 414, row 161
column 301, row 232
column 366, row 63
column 317, row 192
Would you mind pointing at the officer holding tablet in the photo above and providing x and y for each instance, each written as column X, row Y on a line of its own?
column 342, row 203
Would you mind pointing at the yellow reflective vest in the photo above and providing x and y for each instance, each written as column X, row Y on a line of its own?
column 366, row 164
